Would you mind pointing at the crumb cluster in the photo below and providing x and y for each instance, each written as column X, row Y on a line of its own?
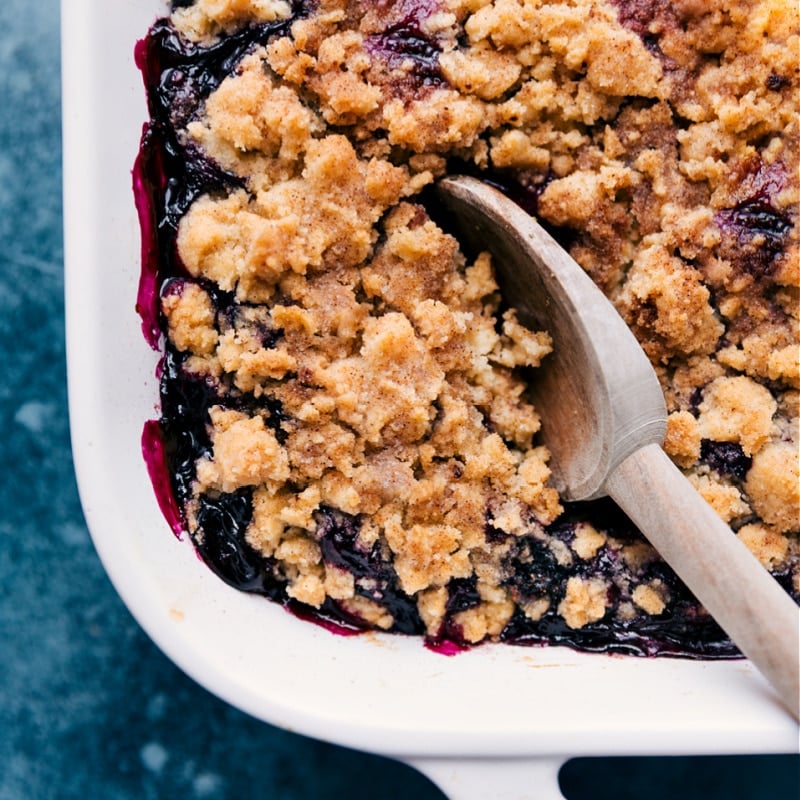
column 384, row 378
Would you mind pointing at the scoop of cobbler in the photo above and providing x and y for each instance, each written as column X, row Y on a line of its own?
column 344, row 413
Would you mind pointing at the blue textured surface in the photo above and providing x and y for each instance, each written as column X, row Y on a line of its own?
column 89, row 708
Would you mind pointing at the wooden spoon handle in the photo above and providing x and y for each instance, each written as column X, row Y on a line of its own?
column 726, row 578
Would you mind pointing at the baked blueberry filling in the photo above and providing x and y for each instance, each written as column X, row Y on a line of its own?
column 402, row 39
column 725, row 457
column 371, row 569
column 754, row 229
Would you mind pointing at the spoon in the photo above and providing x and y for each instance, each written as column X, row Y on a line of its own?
column 603, row 420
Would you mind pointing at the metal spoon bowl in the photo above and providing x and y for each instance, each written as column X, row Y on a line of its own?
column 603, row 420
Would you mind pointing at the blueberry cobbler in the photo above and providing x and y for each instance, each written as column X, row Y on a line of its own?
column 344, row 423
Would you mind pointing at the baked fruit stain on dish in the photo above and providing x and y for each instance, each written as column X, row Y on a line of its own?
column 693, row 239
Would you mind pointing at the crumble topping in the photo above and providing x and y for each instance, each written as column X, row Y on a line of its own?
column 369, row 406
column 207, row 19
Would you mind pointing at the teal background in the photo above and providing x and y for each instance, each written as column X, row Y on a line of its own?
column 89, row 708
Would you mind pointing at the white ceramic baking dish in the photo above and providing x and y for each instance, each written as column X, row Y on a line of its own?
column 493, row 722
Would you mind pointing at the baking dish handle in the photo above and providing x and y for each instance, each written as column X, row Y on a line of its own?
column 494, row 778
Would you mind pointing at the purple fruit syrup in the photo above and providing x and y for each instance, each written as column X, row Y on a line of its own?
column 157, row 469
